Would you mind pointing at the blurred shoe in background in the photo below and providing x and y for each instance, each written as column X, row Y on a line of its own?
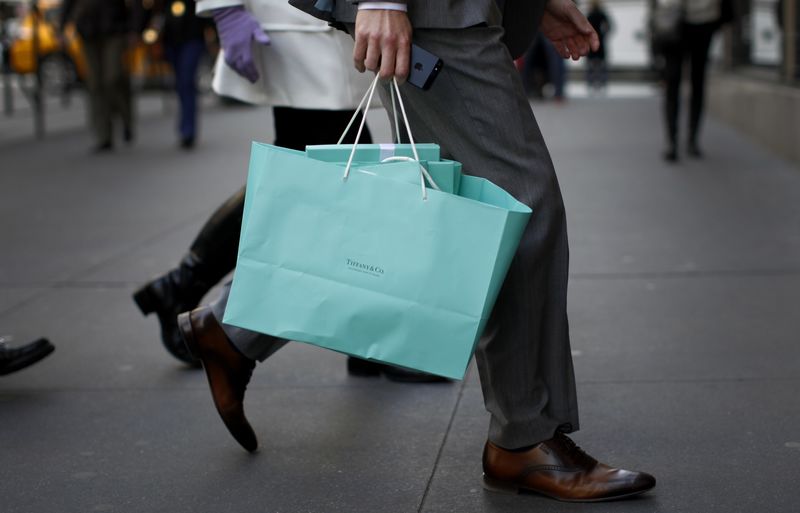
column 14, row 359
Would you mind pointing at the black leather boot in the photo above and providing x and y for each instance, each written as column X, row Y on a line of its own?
column 212, row 256
column 177, row 291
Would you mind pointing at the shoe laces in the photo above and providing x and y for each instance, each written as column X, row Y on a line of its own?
column 573, row 449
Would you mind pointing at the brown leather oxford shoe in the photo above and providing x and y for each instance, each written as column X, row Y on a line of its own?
column 561, row 470
column 227, row 370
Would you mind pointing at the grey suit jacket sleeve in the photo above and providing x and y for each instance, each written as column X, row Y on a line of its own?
column 422, row 13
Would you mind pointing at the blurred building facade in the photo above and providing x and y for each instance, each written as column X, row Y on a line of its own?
column 755, row 79
column 755, row 82
column 764, row 38
column 758, row 87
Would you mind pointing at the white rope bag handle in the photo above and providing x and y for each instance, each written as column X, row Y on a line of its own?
column 363, row 107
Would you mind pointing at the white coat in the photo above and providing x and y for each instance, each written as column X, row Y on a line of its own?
column 309, row 65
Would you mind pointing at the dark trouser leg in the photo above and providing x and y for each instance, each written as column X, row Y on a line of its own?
column 116, row 82
column 255, row 346
column 186, row 60
column 477, row 111
column 672, row 76
column 603, row 72
column 98, row 101
column 596, row 72
column 556, row 69
column 699, row 41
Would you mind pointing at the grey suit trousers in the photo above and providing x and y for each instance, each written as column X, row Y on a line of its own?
column 108, row 84
column 478, row 113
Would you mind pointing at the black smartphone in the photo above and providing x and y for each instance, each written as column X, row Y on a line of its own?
column 425, row 66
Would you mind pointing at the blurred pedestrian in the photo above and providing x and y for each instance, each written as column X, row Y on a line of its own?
column 184, row 39
column 700, row 19
column 14, row 359
column 106, row 28
column 596, row 68
column 543, row 55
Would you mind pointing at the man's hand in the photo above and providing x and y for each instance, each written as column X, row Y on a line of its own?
column 568, row 29
column 383, row 43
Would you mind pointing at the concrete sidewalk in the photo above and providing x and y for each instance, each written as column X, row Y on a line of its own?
column 684, row 305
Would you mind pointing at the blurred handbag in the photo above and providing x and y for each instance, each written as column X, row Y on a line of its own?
column 384, row 266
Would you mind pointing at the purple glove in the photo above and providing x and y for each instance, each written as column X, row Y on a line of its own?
column 237, row 30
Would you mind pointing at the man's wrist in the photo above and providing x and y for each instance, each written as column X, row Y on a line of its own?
column 384, row 6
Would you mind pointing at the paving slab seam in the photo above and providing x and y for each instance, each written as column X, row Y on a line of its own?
column 688, row 381
column 119, row 255
column 712, row 273
column 444, row 441
column 71, row 284
column 387, row 385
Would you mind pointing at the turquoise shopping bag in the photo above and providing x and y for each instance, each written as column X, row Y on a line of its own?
column 371, row 266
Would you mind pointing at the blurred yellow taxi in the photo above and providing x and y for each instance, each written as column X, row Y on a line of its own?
column 60, row 66
column 63, row 66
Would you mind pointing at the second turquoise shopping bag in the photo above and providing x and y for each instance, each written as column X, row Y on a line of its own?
column 368, row 267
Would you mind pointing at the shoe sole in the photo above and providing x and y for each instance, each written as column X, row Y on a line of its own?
column 187, row 334
column 495, row 486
